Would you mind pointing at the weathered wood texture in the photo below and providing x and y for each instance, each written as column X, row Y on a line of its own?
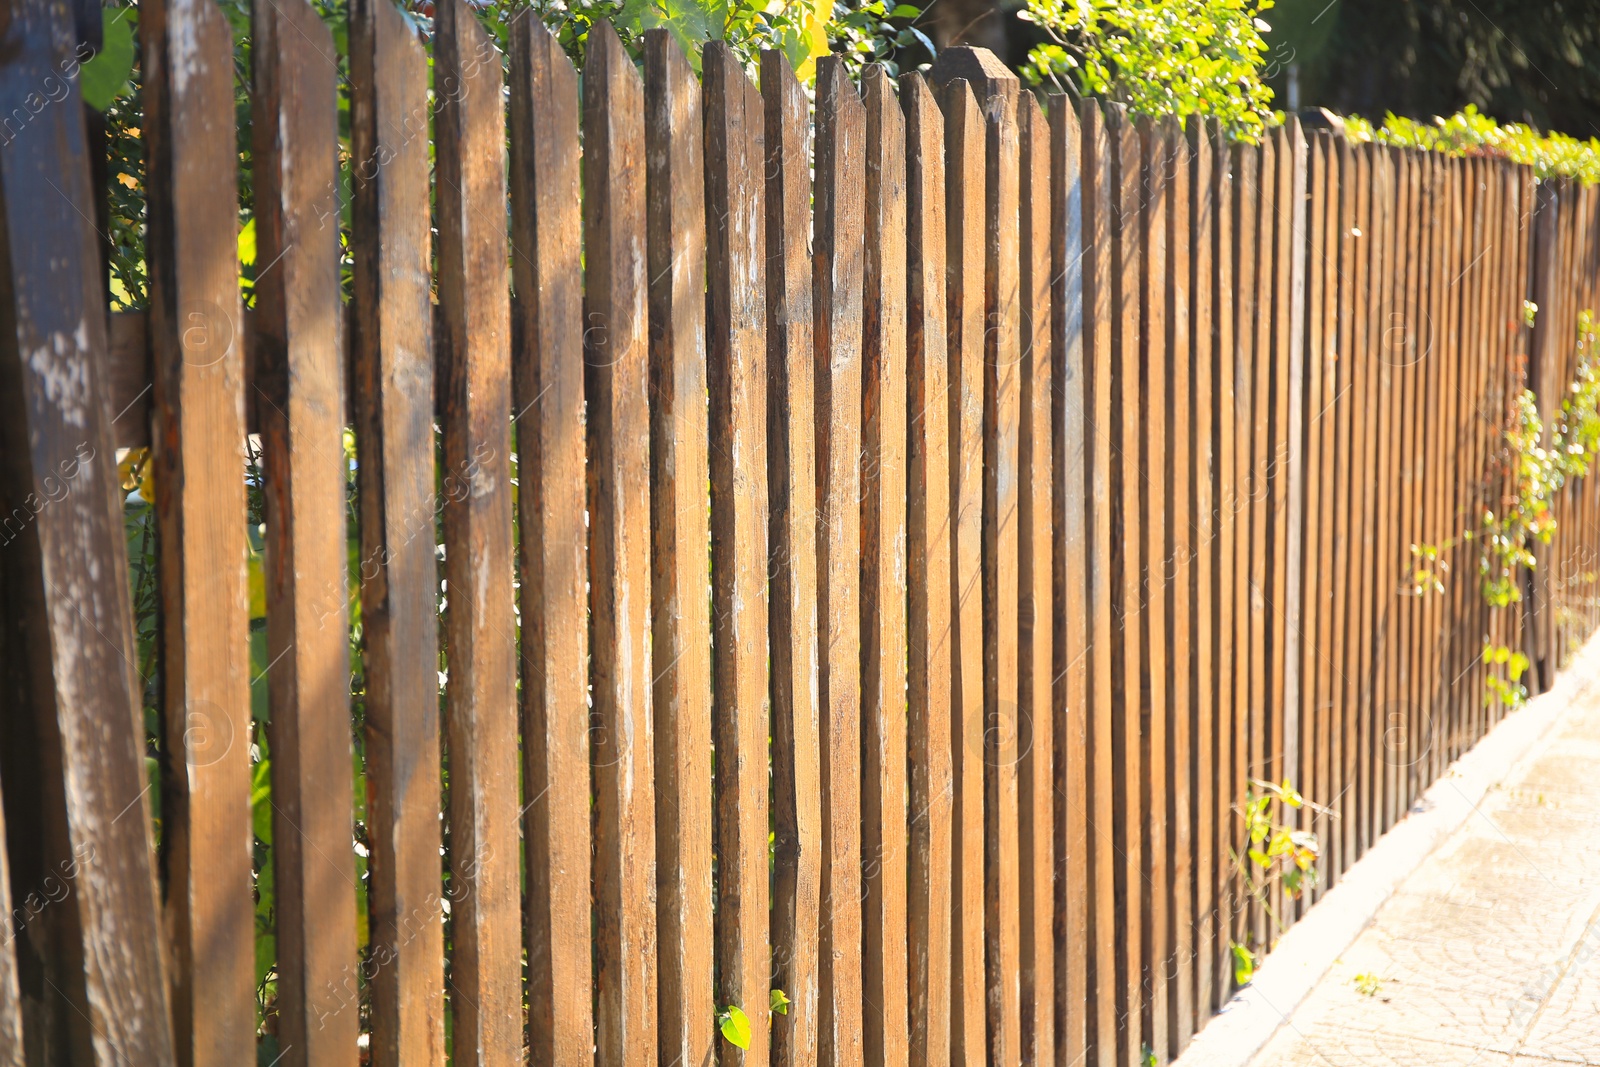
column 198, row 438
column 83, row 974
column 392, row 342
column 1005, row 493
column 547, row 366
column 301, row 405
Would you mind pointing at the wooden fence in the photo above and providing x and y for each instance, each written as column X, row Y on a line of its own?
column 1058, row 476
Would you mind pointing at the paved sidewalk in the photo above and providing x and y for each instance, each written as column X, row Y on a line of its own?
column 1489, row 953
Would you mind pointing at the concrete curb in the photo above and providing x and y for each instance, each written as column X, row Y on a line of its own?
column 1304, row 954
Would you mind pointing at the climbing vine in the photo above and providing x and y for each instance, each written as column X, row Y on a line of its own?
column 1536, row 462
column 1276, row 853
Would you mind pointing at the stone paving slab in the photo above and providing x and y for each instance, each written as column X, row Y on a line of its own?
column 1489, row 952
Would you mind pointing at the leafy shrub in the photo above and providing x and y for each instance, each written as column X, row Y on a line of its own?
column 1472, row 133
column 1159, row 57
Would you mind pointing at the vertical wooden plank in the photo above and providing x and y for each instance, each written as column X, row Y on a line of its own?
column 1322, row 367
column 680, row 540
column 480, row 635
column 1289, row 447
column 1099, row 208
column 1069, row 581
column 88, row 967
column 883, row 579
column 840, row 206
column 930, row 670
column 1371, row 260
column 1353, row 447
column 1314, row 641
column 799, row 952
column 1155, row 195
column 737, row 373
column 1127, row 552
column 1246, row 196
column 1002, row 712
column 547, row 382
column 616, row 393
column 198, row 437
column 1036, row 746
column 1224, row 377
column 996, row 90
column 392, row 343
column 964, row 324
column 1205, row 535
column 301, row 374
column 1177, row 571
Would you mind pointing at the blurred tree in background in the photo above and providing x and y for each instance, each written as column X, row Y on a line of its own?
column 1516, row 60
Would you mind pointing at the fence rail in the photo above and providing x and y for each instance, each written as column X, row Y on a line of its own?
column 880, row 550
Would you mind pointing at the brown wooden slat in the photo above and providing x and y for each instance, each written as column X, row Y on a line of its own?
column 1099, row 221
column 1178, row 571
column 737, row 377
column 1289, row 457
column 929, row 542
column 1036, row 747
column 1002, row 713
column 548, row 398
column 394, row 375
column 1069, row 572
column 81, row 975
column 1246, row 699
column 1322, row 366
column 1364, row 423
column 1354, row 239
column 1313, row 745
column 480, row 624
column 199, row 436
column 1151, row 573
column 964, row 324
column 884, row 579
column 837, row 293
column 616, row 394
column 301, row 403
column 680, row 542
column 1230, row 498
column 1204, row 539
column 798, row 950
column 1126, row 561
column 1390, row 217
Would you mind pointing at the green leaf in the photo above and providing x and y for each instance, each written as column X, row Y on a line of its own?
column 905, row 11
column 735, row 1026
column 105, row 77
column 780, row 1002
column 1244, row 963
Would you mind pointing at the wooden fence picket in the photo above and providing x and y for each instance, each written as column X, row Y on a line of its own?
column 93, row 966
column 301, row 402
column 965, row 326
column 737, row 384
column 884, row 577
column 680, row 544
column 552, row 550
column 616, row 394
column 1036, row 721
column 198, row 435
column 838, row 215
column 392, row 342
column 929, row 543
column 1069, row 449
column 799, row 952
